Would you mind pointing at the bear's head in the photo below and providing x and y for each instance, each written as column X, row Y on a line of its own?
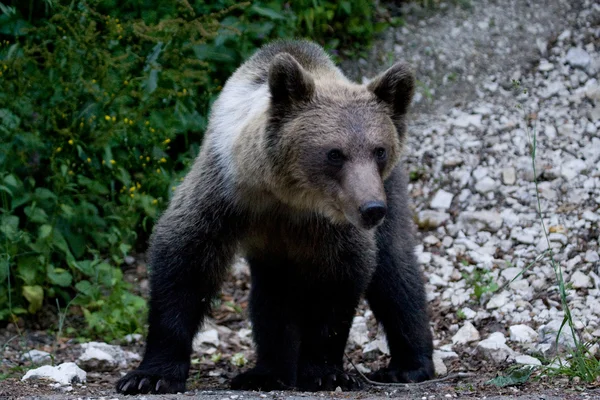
column 331, row 143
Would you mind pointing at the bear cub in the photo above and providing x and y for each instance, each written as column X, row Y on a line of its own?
column 299, row 172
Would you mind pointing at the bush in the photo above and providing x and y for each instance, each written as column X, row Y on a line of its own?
column 102, row 108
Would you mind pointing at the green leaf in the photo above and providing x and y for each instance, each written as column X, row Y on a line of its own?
column 45, row 231
column 516, row 377
column 36, row 214
column 346, row 6
column 10, row 226
column 59, row 276
column 28, row 268
column 267, row 12
column 84, row 287
column 35, row 297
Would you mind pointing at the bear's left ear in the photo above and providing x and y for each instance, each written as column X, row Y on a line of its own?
column 288, row 81
column 395, row 87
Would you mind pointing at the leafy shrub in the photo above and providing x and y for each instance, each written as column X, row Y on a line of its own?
column 102, row 108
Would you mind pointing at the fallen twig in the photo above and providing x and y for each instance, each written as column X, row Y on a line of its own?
column 458, row 375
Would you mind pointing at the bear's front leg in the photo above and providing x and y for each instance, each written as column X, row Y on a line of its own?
column 397, row 294
column 274, row 326
column 191, row 249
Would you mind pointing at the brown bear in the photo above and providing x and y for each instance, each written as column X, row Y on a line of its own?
column 299, row 172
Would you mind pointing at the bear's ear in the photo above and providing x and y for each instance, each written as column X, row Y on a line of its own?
column 395, row 87
column 288, row 81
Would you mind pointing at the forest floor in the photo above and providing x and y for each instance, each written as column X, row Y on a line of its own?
column 490, row 73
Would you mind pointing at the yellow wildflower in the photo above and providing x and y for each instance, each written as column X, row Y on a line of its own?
column 167, row 141
column 154, row 201
column 71, row 142
column 107, row 117
column 113, row 162
column 58, row 149
column 132, row 189
column 163, row 160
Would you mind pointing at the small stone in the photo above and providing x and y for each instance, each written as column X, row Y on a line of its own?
column 209, row 336
column 527, row 360
column 545, row 66
column 548, row 332
column 442, row 200
column 468, row 333
column 99, row 356
column 486, row 185
column 129, row 260
column 377, row 345
column 132, row 338
column 552, row 89
column 577, row 57
column 579, row 280
column 481, row 220
column 495, row 348
column 509, row 176
column 591, row 256
column 438, row 365
column 522, row 334
column 522, row 236
column 63, row 374
column 359, row 333
column 36, row 357
column 498, row 300
column 431, row 219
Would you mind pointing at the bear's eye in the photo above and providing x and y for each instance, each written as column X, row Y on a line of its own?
column 380, row 153
column 335, row 156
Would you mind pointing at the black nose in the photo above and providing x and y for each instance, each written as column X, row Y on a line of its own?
column 372, row 212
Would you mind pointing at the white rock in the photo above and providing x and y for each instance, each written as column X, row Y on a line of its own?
column 509, row 176
column 442, row 200
column 549, row 331
column 209, row 336
column 64, row 374
column 522, row 334
column 591, row 256
column 577, row 57
column 527, row 360
column 432, row 218
column 466, row 120
column 486, row 185
column 552, row 89
column 494, row 348
column 359, row 333
column 36, row 357
column 468, row 333
column 377, row 345
column 438, row 365
column 579, row 280
column 481, row 220
column 498, row 300
column 99, row 356
column 522, row 236
column 445, row 355
column 132, row 338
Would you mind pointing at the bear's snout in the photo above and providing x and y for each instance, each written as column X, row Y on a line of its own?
column 372, row 212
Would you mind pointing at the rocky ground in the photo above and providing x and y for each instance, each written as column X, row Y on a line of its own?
column 492, row 74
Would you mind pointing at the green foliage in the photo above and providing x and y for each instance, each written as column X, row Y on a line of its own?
column 102, row 108
column 481, row 281
column 513, row 377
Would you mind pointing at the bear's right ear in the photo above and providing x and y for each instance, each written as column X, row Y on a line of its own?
column 288, row 81
column 395, row 87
